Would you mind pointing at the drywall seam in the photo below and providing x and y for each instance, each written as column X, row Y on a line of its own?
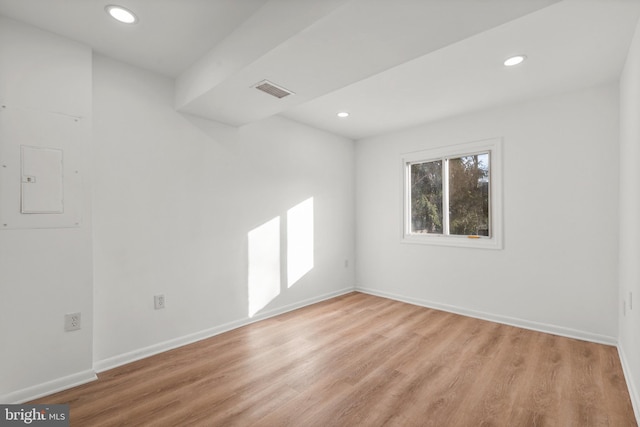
column 511, row 321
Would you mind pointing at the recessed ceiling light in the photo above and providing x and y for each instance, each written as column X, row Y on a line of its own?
column 343, row 114
column 514, row 60
column 121, row 14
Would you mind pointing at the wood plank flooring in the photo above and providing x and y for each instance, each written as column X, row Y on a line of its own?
column 360, row 360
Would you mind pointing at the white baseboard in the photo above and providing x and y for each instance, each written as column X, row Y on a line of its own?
column 80, row 378
column 633, row 391
column 50, row 387
column 512, row 321
column 64, row 383
column 122, row 359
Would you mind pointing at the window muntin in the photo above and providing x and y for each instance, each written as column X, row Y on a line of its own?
column 451, row 196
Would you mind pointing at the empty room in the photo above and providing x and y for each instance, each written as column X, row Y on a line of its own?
column 320, row 212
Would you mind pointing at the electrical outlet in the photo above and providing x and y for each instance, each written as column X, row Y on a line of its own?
column 158, row 302
column 346, row 263
column 72, row 322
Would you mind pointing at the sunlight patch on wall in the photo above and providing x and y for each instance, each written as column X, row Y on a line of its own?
column 264, row 265
column 299, row 241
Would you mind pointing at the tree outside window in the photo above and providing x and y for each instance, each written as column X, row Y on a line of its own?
column 449, row 194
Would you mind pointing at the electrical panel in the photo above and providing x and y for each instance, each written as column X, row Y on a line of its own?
column 41, row 189
column 40, row 159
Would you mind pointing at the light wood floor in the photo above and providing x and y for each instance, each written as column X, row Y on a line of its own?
column 360, row 360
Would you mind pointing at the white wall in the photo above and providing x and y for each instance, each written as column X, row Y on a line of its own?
column 629, row 336
column 44, row 273
column 174, row 200
column 558, row 269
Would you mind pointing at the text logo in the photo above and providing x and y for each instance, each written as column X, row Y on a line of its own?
column 34, row 415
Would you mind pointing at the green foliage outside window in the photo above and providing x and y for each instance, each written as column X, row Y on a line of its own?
column 468, row 196
column 426, row 197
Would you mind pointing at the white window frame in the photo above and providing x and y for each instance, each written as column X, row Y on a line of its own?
column 494, row 241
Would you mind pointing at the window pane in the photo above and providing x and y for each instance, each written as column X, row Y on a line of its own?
column 426, row 197
column 469, row 195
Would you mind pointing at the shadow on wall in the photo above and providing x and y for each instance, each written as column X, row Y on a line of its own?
column 265, row 276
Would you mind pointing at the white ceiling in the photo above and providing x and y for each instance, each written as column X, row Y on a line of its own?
column 170, row 36
column 390, row 63
column 569, row 45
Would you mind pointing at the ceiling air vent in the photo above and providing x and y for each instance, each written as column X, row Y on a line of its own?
column 267, row 87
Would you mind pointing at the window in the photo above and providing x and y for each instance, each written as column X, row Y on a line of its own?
column 452, row 196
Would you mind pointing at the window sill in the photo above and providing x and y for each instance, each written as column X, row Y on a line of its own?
column 455, row 241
